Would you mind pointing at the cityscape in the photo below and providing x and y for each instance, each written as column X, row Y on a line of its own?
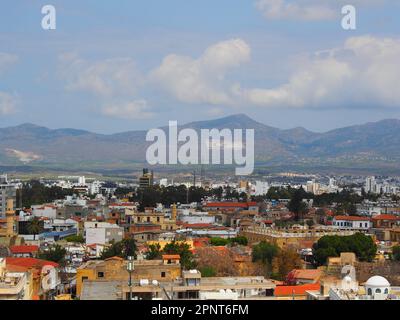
column 286, row 237
column 203, row 158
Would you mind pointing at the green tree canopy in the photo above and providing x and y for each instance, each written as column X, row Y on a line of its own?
column 123, row 249
column 55, row 253
column 332, row 246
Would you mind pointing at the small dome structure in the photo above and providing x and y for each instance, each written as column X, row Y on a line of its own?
column 377, row 287
column 377, row 281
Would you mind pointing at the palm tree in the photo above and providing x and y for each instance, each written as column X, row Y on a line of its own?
column 34, row 227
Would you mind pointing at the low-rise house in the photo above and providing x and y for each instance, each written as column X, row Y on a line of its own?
column 352, row 223
column 102, row 232
column 303, row 276
column 385, row 221
column 24, row 251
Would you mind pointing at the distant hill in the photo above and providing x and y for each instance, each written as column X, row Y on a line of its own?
column 374, row 144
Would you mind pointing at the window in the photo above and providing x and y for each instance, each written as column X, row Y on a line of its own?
column 148, row 219
column 370, row 292
column 386, row 291
column 158, row 219
column 163, row 274
column 378, row 291
column 100, row 274
column 84, row 278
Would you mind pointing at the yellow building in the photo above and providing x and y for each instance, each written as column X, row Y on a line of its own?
column 115, row 268
column 158, row 218
column 164, row 243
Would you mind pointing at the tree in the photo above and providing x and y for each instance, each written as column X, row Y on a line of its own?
column 396, row 253
column 75, row 238
column 241, row 240
column 207, row 271
column 154, row 252
column 186, row 256
column 332, row 246
column 296, row 204
column 285, row 261
column 55, row 253
column 123, row 249
column 264, row 252
column 34, row 227
column 218, row 241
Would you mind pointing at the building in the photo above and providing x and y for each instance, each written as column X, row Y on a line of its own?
column 102, row 232
column 352, row 223
column 146, row 180
column 13, row 285
column 24, row 251
column 385, row 221
column 114, row 269
column 7, row 191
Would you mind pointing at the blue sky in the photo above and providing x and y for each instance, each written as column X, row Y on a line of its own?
column 112, row 66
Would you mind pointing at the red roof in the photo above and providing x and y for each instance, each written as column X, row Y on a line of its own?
column 197, row 225
column 171, row 256
column 386, row 217
column 24, row 249
column 231, row 204
column 30, row 262
column 351, row 218
column 296, row 290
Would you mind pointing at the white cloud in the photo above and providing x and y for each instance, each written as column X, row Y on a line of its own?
column 102, row 78
column 201, row 80
column 137, row 109
column 299, row 10
column 7, row 60
column 363, row 72
column 7, row 103
column 309, row 10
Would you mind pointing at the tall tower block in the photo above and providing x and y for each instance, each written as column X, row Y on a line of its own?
column 10, row 218
column 173, row 212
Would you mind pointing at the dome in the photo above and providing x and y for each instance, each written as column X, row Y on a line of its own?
column 377, row 281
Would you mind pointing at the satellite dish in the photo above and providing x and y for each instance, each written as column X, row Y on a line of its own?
column 49, row 279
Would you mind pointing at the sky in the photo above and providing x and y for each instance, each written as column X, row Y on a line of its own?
column 113, row 66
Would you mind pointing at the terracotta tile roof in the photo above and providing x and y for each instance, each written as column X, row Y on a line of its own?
column 171, row 256
column 309, row 274
column 30, row 262
column 351, row 218
column 296, row 290
column 24, row 249
column 386, row 217
column 231, row 204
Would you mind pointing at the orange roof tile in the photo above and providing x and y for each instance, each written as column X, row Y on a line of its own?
column 296, row 290
column 386, row 217
column 351, row 218
column 30, row 262
column 171, row 256
column 24, row 249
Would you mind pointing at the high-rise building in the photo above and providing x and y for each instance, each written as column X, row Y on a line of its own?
column 370, row 185
column 7, row 192
column 146, row 180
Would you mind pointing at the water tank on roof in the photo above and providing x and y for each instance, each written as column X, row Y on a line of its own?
column 144, row 282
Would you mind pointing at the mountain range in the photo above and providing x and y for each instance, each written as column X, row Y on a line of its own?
column 371, row 145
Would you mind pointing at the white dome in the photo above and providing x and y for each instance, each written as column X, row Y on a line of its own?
column 377, row 281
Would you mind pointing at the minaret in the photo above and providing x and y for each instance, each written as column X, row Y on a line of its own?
column 10, row 218
column 173, row 212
